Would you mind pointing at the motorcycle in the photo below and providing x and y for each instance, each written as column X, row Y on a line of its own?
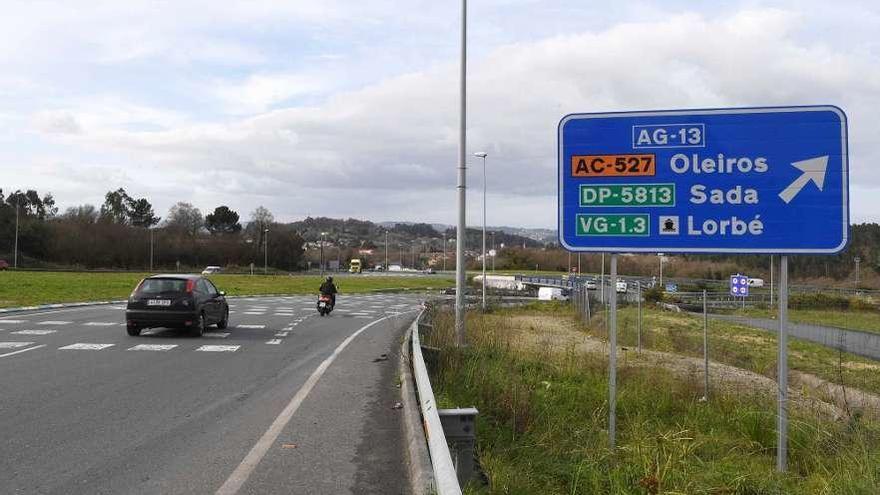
column 325, row 305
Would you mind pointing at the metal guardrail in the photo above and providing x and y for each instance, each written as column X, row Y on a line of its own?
column 445, row 478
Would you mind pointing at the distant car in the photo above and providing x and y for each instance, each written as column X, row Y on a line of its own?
column 3, row 265
column 210, row 270
column 591, row 285
column 756, row 282
column 176, row 301
column 429, row 271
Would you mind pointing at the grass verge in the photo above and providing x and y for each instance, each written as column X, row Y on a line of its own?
column 543, row 412
column 32, row 288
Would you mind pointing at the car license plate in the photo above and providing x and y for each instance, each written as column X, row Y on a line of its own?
column 159, row 302
column 323, row 304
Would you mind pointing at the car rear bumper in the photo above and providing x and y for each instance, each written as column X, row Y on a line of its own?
column 160, row 318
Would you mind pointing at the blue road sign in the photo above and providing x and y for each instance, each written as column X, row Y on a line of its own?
column 743, row 180
column 739, row 285
column 671, row 288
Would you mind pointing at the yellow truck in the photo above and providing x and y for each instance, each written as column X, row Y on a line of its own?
column 355, row 266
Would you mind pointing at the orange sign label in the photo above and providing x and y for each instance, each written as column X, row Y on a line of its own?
column 612, row 165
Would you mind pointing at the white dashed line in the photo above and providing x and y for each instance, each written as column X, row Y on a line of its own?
column 85, row 347
column 13, row 322
column 34, row 332
column 14, row 345
column 281, row 334
column 54, row 322
column 153, row 347
column 273, row 341
column 250, row 326
column 218, row 348
column 99, row 324
column 253, row 313
column 216, row 335
column 22, row 350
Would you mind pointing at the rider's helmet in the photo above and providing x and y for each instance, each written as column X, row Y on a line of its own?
column 330, row 279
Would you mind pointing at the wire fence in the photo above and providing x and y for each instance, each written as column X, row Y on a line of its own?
column 722, row 343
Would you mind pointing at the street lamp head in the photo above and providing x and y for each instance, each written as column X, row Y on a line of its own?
column 481, row 154
column 265, row 230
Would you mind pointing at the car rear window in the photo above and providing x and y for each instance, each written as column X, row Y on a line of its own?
column 161, row 286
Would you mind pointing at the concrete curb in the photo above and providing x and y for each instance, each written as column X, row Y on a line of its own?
column 421, row 475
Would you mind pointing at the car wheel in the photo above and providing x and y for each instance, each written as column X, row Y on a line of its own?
column 199, row 329
column 133, row 330
column 223, row 323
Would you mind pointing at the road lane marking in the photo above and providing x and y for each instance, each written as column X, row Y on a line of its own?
column 216, row 335
column 273, row 341
column 250, row 326
column 14, row 322
column 34, row 332
column 218, row 348
column 14, row 345
column 153, row 347
column 54, row 322
column 100, row 324
column 22, row 350
column 254, row 313
column 241, row 473
column 281, row 334
column 85, row 347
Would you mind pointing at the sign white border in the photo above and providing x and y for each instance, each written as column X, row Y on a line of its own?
column 715, row 111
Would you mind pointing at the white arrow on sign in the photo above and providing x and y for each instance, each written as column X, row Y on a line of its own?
column 813, row 170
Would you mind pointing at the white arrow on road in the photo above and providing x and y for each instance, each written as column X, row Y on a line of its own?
column 813, row 170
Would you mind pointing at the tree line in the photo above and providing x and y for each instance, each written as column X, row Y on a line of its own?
column 124, row 230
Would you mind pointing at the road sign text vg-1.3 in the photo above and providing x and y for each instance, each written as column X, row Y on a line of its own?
column 746, row 180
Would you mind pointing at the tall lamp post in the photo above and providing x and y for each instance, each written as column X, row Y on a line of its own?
column 483, row 155
column 386, row 250
column 266, row 251
column 460, row 267
column 151, row 249
column 323, row 234
column 857, row 260
column 17, row 206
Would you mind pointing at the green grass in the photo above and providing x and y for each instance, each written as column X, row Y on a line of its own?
column 739, row 345
column 33, row 288
column 865, row 320
column 543, row 415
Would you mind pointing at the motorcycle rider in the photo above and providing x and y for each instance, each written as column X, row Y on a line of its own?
column 328, row 288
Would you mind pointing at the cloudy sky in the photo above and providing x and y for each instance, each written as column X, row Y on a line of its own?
column 349, row 108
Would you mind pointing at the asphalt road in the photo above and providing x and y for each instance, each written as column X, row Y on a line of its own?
column 282, row 401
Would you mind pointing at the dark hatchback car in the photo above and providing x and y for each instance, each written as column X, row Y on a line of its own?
column 176, row 301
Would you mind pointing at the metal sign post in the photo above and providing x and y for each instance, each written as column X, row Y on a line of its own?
column 782, row 414
column 705, row 347
column 612, row 357
column 639, row 326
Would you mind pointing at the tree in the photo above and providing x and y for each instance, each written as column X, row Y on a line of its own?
column 83, row 214
column 186, row 218
column 140, row 213
column 115, row 207
column 261, row 219
column 222, row 221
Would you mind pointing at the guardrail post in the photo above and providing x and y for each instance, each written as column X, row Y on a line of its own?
column 460, row 429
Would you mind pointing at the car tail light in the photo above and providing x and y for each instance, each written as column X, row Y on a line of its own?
column 189, row 286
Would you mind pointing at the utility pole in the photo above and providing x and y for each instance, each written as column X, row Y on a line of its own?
column 386, row 250
column 444, row 250
column 151, row 249
column 322, row 253
column 17, row 206
column 462, row 188
column 857, row 260
column 266, row 252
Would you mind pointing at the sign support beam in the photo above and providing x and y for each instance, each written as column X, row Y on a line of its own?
column 782, row 419
column 612, row 357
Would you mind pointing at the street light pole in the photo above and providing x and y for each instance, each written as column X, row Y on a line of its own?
column 151, row 249
column 386, row 250
column 857, row 260
column 444, row 250
column 266, row 252
column 483, row 155
column 322, row 253
column 17, row 206
column 462, row 187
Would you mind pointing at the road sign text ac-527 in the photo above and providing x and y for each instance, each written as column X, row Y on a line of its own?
column 744, row 180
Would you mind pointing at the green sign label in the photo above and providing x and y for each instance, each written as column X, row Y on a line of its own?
column 627, row 195
column 618, row 225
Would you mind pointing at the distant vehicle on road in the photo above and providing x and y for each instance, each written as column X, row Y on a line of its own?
column 620, row 287
column 395, row 268
column 176, row 301
column 552, row 294
column 429, row 271
column 210, row 270
column 4, row 265
column 355, row 266
column 591, row 285
column 756, row 282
